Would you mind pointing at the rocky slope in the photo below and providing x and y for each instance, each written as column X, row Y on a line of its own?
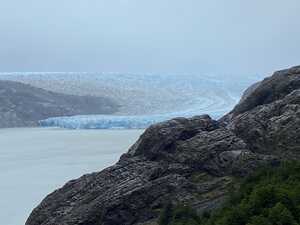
column 192, row 161
column 23, row 105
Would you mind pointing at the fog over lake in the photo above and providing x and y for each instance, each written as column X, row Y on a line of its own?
column 36, row 161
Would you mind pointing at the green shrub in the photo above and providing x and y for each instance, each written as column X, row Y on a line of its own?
column 166, row 214
column 178, row 215
column 269, row 197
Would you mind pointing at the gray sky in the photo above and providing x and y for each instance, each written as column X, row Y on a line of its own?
column 181, row 36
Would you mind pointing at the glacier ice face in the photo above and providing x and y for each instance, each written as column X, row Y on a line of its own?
column 112, row 122
column 101, row 122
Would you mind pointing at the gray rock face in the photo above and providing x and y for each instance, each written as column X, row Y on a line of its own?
column 273, row 128
column 273, row 88
column 268, row 119
column 190, row 161
column 24, row 105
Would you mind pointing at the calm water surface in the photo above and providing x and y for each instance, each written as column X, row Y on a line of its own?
column 36, row 161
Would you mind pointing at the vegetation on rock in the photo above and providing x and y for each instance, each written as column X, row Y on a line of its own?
column 271, row 196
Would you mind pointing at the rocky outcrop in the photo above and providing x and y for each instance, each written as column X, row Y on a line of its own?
column 273, row 128
column 273, row 88
column 23, row 105
column 183, row 160
column 268, row 119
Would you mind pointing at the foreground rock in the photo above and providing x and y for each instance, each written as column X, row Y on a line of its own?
column 23, row 105
column 190, row 161
column 268, row 119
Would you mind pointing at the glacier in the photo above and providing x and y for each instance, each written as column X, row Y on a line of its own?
column 143, row 98
column 114, row 122
column 102, row 122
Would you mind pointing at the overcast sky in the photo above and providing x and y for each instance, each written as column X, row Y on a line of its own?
column 169, row 36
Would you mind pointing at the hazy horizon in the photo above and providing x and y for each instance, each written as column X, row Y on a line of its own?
column 136, row 36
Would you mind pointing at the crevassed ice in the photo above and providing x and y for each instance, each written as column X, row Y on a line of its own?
column 112, row 122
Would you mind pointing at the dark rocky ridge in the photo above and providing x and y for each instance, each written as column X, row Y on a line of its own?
column 268, row 119
column 191, row 160
column 23, row 105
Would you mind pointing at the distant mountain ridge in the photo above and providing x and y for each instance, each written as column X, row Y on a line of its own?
column 22, row 105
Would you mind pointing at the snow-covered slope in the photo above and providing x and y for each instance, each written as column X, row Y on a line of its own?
column 144, row 98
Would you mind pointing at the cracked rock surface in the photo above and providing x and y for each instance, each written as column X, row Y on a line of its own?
column 184, row 160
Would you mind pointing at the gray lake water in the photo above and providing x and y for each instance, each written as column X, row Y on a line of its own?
column 36, row 161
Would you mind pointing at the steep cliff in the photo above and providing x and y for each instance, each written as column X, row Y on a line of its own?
column 194, row 161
